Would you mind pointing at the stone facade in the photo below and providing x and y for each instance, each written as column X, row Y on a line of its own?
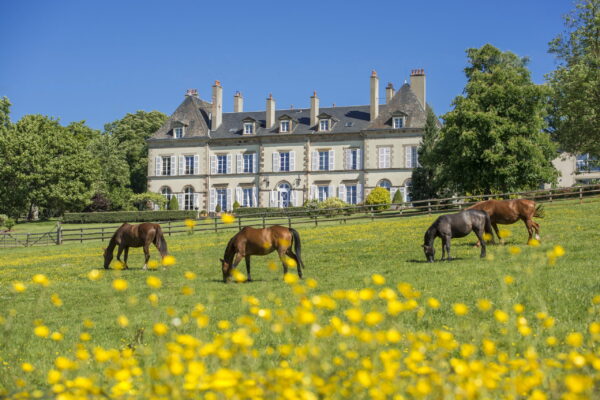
column 281, row 158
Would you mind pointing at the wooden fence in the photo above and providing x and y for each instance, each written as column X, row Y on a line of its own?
column 296, row 218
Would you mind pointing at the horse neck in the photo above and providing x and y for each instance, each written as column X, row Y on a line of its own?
column 111, row 244
column 230, row 251
column 430, row 236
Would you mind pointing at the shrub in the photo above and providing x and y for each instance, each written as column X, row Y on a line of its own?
column 380, row 198
column 397, row 197
column 236, row 205
column 173, row 204
column 9, row 223
column 332, row 206
column 218, row 208
column 127, row 216
column 3, row 218
column 142, row 201
column 99, row 203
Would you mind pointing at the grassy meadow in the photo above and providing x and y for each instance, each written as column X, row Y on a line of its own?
column 371, row 319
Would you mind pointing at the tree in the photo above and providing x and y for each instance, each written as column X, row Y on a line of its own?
column 424, row 185
column 4, row 113
column 173, row 204
column 493, row 140
column 380, row 197
column 43, row 165
column 141, row 201
column 131, row 133
column 575, row 100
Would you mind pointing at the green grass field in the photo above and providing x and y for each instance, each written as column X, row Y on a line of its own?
column 338, row 334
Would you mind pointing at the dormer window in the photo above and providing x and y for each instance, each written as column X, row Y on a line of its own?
column 178, row 132
column 248, row 128
column 284, row 126
column 324, row 125
column 398, row 122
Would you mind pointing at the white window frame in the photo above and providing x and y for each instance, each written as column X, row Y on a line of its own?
column 178, row 132
column 188, row 198
column 189, row 167
column 324, row 160
column 323, row 192
column 398, row 122
column 281, row 161
column 248, row 197
column 284, row 126
column 385, row 157
column 248, row 128
column 248, row 161
column 324, row 125
column 348, row 194
column 411, row 154
column 167, row 167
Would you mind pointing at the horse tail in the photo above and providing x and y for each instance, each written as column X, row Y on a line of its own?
column 539, row 211
column 297, row 245
column 160, row 242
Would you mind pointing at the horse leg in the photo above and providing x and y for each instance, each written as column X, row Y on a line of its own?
column 125, row 256
column 536, row 226
column 443, row 248
column 119, row 252
column 146, row 255
column 529, row 226
column 248, row 268
column 446, row 244
column 495, row 226
column 281, row 253
column 295, row 258
column 479, row 234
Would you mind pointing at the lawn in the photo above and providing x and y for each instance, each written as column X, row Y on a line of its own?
column 371, row 319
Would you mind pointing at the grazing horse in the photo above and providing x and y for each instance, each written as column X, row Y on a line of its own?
column 250, row 241
column 510, row 211
column 141, row 235
column 456, row 225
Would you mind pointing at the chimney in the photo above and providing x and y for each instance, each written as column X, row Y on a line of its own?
column 374, row 95
column 314, row 109
column 191, row 93
column 238, row 102
column 217, row 106
column 270, row 111
column 417, row 85
column 389, row 92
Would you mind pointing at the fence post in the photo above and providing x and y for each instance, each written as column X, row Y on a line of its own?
column 316, row 220
column 80, row 235
column 58, row 233
column 240, row 223
column 103, row 234
column 27, row 242
column 289, row 222
column 264, row 222
column 428, row 208
column 216, row 225
column 169, row 226
column 580, row 195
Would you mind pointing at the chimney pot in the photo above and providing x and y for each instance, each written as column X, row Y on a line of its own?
column 270, row 120
column 217, row 83
column 314, row 109
column 238, row 102
column 217, row 106
column 374, row 96
column 418, row 86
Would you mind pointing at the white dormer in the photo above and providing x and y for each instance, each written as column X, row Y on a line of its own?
column 284, row 126
column 398, row 122
column 249, row 126
column 178, row 132
column 325, row 122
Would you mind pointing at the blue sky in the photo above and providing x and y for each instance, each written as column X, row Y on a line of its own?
column 98, row 60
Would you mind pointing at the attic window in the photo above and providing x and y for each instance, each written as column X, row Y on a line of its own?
column 178, row 132
column 284, row 126
column 349, row 124
column 248, row 128
column 398, row 122
column 324, row 125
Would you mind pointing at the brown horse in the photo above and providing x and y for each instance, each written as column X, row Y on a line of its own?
column 510, row 211
column 141, row 235
column 250, row 241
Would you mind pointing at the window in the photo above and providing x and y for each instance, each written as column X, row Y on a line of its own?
column 284, row 126
column 167, row 192
column 408, row 190
column 323, row 125
column 353, row 159
column 322, row 193
column 412, row 156
column 284, row 161
column 398, row 122
column 166, row 165
column 385, row 158
column 351, row 194
column 384, row 183
column 178, row 132
column 188, row 198
column 247, row 197
column 248, row 163
column 222, row 164
column 284, row 191
column 587, row 163
column 324, row 160
column 222, row 198
column 189, row 165
column 248, row 128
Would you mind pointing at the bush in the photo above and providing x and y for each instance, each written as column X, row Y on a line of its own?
column 173, row 204
column 236, row 205
column 332, row 206
column 9, row 223
column 380, row 198
column 3, row 218
column 128, row 216
column 397, row 197
column 99, row 203
column 142, row 201
column 218, row 208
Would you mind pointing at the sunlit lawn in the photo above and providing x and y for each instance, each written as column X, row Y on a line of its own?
column 338, row 256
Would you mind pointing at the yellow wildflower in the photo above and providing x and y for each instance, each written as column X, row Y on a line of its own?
column 154, row 282
column 168, row 261
column 160, row 329
column 123, row 321
column 433, row 303
column 378, row 279
column 41, row 280
column 19, row 287
column 227, row 218
column 41, row 331
column 94, row 275
column 460, row 309
column 120, row 284
column 27, row 367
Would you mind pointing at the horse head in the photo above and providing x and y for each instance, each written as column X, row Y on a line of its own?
column 226, row 268
column 429, row 252
column 108, row 255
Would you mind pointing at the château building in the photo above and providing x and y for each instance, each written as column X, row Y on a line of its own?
column 283, row 157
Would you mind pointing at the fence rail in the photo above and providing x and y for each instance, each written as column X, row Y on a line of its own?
column 314, row 217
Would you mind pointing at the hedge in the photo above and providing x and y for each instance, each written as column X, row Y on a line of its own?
column 127, row 216
column 292, row 211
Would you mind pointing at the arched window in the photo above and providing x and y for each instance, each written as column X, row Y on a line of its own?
column 188, row 198
column 408, row 190
column 384, row 183
column 284, row 192
column 167, row 192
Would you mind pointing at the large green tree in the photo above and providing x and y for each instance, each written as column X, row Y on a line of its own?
column 424, row 184
column 575, row 100
column 493, row 140
column 131, row 133
column 42, row 164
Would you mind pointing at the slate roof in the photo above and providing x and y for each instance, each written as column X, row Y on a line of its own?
column 193, row 113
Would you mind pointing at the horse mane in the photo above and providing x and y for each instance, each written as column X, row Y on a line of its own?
column 230, row 250
column 159, row 240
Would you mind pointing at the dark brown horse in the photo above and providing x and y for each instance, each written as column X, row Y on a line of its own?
column 141, row 235
column 250, row 242
column 510, row 211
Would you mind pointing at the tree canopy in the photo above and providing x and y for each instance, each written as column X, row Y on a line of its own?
column 424, row 185
column 493, row 139
column 575, row 84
